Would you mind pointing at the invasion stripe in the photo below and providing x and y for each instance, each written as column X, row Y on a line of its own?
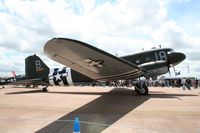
column 69, row 76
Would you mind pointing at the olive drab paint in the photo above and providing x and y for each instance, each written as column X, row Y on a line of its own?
column 36, row 68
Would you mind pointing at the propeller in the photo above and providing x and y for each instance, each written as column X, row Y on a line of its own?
column 168, row 64
column 174, row 70
column 169, row 73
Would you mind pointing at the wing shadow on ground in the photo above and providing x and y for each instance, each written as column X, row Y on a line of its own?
column 106, row 109
column 123, row 92
column 24, row 92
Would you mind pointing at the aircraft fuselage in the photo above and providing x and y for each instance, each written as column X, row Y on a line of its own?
column 156, row 61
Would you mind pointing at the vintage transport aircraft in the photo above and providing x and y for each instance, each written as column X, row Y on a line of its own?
column 89, row 63
column 86, row 63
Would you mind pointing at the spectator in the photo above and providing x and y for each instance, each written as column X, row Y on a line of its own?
column 188, row 84
column 183, row 82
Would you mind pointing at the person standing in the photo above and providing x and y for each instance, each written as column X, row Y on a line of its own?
column 196, row 83
column 183, row 82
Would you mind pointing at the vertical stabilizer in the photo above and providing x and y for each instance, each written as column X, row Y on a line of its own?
column 36, row 68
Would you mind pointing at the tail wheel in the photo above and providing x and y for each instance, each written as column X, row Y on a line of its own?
column 141, row 89
column 44, row 89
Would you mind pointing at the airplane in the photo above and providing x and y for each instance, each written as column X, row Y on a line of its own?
column 86, row 64
column 6, row 80
column 93, row 64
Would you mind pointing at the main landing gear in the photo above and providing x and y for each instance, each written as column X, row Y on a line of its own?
column 141, row 89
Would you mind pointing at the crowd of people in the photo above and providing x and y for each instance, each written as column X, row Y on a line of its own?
column 186, row 83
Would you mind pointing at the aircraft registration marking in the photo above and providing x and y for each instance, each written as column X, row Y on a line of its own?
column 38, row 66
column 161, row 55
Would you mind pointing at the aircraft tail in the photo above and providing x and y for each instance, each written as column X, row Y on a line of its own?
column 36, row 68
column 13, row 73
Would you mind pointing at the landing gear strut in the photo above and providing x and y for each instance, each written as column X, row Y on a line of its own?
column 141, row 89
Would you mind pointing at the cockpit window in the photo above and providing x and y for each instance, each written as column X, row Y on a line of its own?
column 171, row 51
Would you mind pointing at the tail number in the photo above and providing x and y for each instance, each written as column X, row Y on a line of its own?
column 38, row 66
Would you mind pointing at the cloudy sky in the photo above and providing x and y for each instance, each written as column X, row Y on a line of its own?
column 116, row 26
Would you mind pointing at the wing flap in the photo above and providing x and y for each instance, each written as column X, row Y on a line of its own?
column 90, row 61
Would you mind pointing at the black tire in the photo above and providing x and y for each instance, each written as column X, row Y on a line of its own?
column 141, row 89
column 137, row 87
column 27, row 86
column 44, row 89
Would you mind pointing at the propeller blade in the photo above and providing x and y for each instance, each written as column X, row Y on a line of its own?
column 169, row 72
column 174, row 70
column 168, row 64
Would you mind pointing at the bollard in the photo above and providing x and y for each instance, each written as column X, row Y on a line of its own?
column 76, row 126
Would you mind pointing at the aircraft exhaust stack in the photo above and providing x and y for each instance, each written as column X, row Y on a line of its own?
column 36, row 68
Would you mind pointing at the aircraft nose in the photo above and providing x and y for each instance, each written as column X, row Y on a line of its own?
column 176, row 58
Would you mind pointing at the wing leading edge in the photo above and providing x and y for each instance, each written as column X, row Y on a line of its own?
column 90, row 61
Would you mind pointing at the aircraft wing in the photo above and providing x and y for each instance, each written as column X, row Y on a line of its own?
column 90, row 61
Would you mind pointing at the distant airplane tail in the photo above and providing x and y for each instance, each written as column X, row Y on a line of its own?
column 14, row 73
column 36, row 68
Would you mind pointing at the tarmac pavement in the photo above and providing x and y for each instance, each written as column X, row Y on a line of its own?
column 99, row 109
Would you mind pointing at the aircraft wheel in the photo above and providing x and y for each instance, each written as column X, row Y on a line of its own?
column 44, row 89
column 141, row 89
column 27, row 86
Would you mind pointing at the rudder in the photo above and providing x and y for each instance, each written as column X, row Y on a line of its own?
column 36, row 68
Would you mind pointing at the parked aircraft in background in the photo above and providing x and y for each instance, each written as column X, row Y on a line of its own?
column 6, row 80
column 86, row 64
column 18, row 80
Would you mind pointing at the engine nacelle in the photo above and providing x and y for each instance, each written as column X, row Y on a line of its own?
column 155, row 68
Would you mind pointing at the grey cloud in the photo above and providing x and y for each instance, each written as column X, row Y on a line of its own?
column 126, row 19
column 26, row 34
column 178, row 40
column 193, row 55
column 197, row 69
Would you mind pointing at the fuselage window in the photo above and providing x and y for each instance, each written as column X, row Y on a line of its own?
column 137, row 61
